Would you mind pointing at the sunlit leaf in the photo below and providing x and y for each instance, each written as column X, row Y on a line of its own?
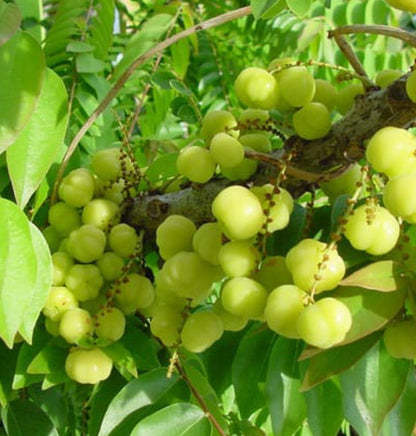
column 380, row 276
column 40, row 143
column 22, row 70
column 179, row 419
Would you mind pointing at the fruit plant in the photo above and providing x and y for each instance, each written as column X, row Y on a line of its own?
column 207, row 218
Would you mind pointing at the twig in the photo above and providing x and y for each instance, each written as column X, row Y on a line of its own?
column 393, row 32
column 213, row 22
column 200, row 399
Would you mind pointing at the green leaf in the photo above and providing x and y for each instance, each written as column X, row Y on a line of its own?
column 401, row 419
column 325, row 414
column 7, row 368
column 202, row 385
column 180, row 57
column 137, row 394
column 54, row 403
column 333, row 361
column 40, row 143
column 381, row 276
column 51, row 358
column 122, row 359
column 101, row 399
column 299, row 7
column 101, row 28
column 142, row 41
column 23, row 417
column 88, row 63
column 42, row 285
column 180, row 419
column 162, row 168
column 21, row 274
column 163, row 79
column 10, row 19
column 26, row 354
column 22, row 70
column 79, row 47
column 249, row 369
column 267, row 8
column 312, row 29
column 371, row 389
column 286, row 403
column 180, row 87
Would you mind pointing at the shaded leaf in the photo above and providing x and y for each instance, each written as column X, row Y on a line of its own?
column 10, row 19
column 179, row 419
column 286, row 403
column 137, row 394
column 371, row 389
column 22, row 70
column 22, row 418
column 249, row 369
column 7, row 368
column 40, row 143
column 51, row 358
column 381, row 276
column 325, row 414
column 79, row 47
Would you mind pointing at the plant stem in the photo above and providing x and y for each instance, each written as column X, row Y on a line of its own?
column 205, row 25
column 200, row 399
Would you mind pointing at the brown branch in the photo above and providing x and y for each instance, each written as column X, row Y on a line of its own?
column 312, row 161
column 213, row 22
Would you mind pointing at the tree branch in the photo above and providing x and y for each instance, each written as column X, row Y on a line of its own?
column 312, row 161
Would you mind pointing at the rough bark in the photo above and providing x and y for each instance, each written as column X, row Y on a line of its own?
column 312, row 161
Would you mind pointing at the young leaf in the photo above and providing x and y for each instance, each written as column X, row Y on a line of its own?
column 333, row 361
column 381, row 276
column 101, row 28
column 138, row 393
column 250, row 363
column 299, row 7
column 20, row 266
column 10, row 19
column 19, row 89
column 286, row 403
column 23, row 417
column 267, row 8
column 142, row 41
column 41, row 141
column 180, row 419
column 371, row 389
